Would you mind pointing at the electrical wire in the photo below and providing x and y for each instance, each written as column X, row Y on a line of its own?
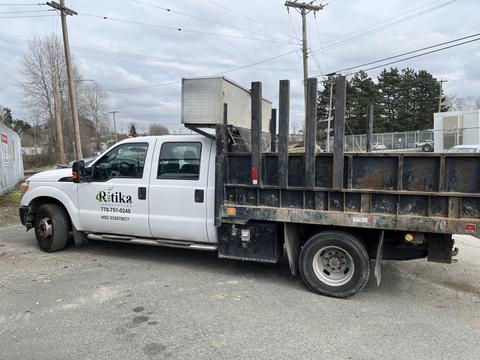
column 181, row 29
column 409, row 57
column 23, row 11
column 29, row 4
column 220, row 73
column 249, row 18
column 419, row 55
column 141, row 57
column 26, row 16
column 370, row 30
column 408, row 53
column 203, row 19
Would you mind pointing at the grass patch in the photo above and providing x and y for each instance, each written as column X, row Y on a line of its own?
column 12, row 198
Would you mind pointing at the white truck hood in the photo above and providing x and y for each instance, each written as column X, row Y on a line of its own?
column 51, row 175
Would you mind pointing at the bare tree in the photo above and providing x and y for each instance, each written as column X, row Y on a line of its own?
column 157, row 129
column 44, row 71
column 92, row 105
column 38, row 69
column 463, row 104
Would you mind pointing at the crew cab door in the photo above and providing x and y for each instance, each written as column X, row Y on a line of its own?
column 178, row 185
column 116, row 200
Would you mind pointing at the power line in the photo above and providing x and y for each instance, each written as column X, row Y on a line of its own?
column 29, row 4
column 25, row 16
column 407, row 53
column 411, row 57
column 370, row 30
column 23, row 11
column 203, row 19
column 249, row 18
column 182, row 29
column 144, row 57
column 220, row 73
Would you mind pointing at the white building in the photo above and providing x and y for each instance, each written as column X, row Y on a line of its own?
column 456, row 128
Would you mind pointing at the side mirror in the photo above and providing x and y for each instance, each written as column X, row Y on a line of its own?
column 81, row 173
column 78, row 171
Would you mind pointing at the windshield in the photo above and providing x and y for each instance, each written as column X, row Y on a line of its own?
column 462, row 150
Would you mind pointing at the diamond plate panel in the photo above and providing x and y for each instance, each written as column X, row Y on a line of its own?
column 203, row 99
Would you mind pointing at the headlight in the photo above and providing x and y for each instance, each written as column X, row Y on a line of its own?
column 24, row 188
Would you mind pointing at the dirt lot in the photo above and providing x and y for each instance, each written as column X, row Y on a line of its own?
column 120, row 301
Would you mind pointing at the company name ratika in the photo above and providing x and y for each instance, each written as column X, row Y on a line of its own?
column 115, row 197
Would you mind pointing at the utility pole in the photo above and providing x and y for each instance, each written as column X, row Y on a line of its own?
column 58, row 117
column 64, row 11
column 304, row 9
column 114, row 124
column 440, row 95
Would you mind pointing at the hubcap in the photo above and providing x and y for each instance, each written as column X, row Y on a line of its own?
column 45, row 228
column 333, row 266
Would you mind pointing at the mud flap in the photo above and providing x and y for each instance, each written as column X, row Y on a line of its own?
column 378, row 259
column 292, row 246
column 79, row 238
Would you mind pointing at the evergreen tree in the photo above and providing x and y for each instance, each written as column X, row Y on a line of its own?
column 363, row 91
column 404, row 101
column 389, row 88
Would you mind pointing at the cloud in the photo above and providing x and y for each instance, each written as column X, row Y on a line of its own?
column 123, row 55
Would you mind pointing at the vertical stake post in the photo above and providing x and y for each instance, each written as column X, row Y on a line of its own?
column 273, row 131
column 311, row 133
column 256, row 132
column 338, row 146
column 283, row 133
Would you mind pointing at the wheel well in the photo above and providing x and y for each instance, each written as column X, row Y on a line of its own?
column 369, row 237
column 37, row 202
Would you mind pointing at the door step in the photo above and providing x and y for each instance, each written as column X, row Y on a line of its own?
column 152, row 242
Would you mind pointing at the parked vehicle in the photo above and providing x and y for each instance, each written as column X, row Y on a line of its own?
column 330, row 214
column 427, row 146
column 464, row 149
column 378, row 147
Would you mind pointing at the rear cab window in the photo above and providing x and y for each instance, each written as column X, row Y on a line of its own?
column 179, row 161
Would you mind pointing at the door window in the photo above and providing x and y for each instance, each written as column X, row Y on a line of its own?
column 123, row 161
column 179, row 161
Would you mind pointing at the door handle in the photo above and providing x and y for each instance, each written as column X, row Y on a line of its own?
column 199, row 196
column 142, row 193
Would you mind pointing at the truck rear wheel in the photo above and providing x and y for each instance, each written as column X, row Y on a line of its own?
column 51, row 227
column 335, row 263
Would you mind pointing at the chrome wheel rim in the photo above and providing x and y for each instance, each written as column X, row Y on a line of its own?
column 333, row 266
column 45, row 228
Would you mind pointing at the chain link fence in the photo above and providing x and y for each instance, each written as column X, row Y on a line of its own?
column 388, row 141
column 11, row 163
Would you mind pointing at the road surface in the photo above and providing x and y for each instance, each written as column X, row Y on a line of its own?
column 120, row 301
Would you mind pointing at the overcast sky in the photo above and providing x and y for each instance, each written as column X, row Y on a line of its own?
column 123, row 55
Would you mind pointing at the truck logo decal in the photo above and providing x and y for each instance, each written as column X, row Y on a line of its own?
column 108, row 196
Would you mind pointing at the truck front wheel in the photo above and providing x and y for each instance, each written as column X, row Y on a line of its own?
column 335, row 263
column 51, row 227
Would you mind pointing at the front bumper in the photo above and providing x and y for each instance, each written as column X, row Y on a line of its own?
column 23, row 211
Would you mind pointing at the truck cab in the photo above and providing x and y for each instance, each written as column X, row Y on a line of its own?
column 158, row 187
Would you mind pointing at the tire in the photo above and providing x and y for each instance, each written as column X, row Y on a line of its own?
column 334, row 263
column 51, row 227
column 427, row 148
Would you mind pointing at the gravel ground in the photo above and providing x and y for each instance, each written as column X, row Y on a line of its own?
column 119, row 301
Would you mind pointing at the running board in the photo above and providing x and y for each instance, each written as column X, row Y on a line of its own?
column 154, row 242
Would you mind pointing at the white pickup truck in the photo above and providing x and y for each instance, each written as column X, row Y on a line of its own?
column 330, row 214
